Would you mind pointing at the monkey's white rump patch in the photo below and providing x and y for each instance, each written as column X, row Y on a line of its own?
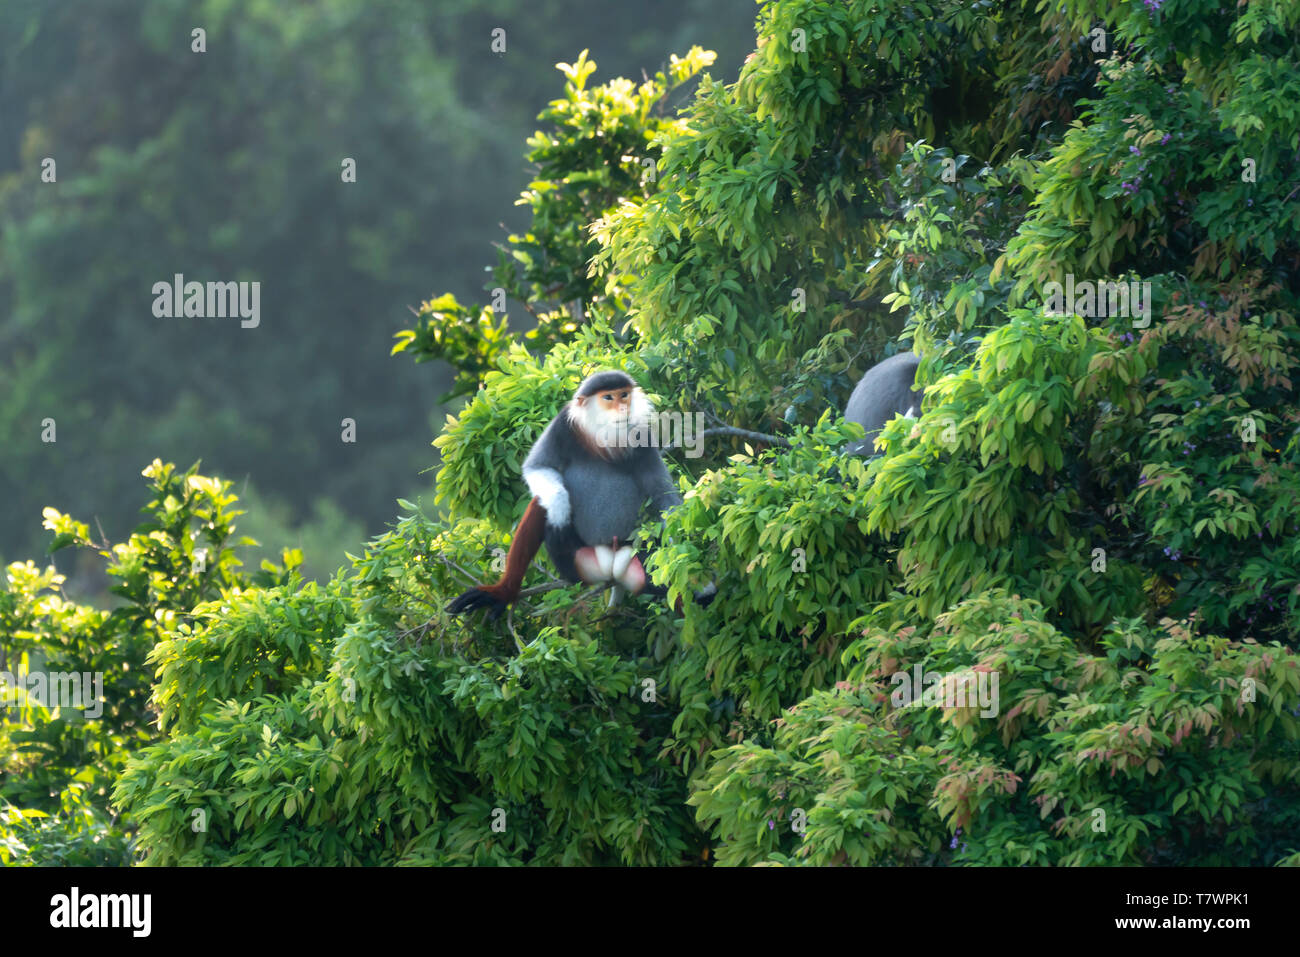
column 548, row 488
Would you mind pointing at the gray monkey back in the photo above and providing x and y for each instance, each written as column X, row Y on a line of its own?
column 885, row 390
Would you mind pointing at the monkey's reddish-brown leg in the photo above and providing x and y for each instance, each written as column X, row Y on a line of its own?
column 523, row 548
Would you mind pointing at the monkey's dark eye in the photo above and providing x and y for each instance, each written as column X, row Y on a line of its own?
column 623, row 395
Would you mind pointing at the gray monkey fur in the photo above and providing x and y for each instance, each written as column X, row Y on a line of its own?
column 885, row 390
column 604, row 497
column 591, row 499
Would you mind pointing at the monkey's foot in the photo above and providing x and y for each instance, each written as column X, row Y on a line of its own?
column 628, row 570
column 600, row 563
column 476, row 598
column 594, row 563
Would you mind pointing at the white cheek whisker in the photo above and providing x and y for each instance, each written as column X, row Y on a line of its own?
column 612, row 428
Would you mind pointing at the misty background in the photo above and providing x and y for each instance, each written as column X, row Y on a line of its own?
column 225, row 166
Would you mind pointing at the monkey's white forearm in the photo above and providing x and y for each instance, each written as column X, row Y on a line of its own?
column 548, row 488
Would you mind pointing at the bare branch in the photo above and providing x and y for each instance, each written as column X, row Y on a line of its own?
column 539, row 589
column 733, row 432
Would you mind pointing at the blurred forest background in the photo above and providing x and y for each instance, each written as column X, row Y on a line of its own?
column 226, row 166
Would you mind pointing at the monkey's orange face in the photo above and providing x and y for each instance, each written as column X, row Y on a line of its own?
column 608, row 417
column 615, row 404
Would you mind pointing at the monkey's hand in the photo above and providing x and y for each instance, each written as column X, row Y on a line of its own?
column 472, row 600
column 703, row 597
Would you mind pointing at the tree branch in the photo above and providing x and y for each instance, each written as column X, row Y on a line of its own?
column 733, row 432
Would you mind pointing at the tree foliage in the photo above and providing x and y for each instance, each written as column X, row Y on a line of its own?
column 1096, row 510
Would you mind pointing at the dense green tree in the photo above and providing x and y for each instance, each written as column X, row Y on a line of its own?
column 1095, row 509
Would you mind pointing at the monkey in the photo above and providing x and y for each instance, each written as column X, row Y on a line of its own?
column 589, row 473
column 885, row 390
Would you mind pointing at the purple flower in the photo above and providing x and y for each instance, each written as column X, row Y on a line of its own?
column 1135, row 151
column 1152, row 5
column 1164, row 139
